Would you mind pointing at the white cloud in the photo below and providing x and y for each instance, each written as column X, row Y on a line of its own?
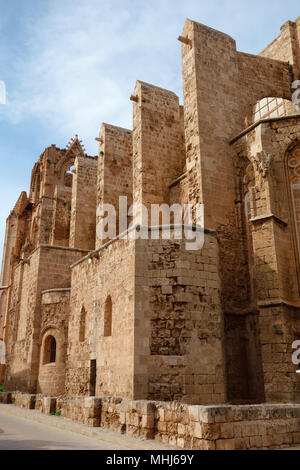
column 80, row 59
column 80, row 62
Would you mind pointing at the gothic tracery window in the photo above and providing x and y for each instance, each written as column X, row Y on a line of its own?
column 270, row 107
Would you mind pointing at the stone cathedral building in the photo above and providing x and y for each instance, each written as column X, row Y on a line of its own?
column 147, row 319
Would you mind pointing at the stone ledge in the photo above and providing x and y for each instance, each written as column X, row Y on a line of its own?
column 276, row 303
column 62, row 289
column 123, row 236
column 262, row 121
column 180, row 178
column 51, row 247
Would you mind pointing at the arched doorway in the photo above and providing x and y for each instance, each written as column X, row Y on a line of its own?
column 51, row 376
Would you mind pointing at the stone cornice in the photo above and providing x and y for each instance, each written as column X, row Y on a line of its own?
column 180, row 178
column 263, row 121
column 62, row 289
column 277, row 303
column 93, row 254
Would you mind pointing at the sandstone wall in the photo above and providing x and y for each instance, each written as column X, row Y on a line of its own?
column 55, row 318
column 83, row 212
column 158, row 144
column 178, row 319
column 47, row 268
column 269, row 153
column 61, row 216
column 109, row 272
column 286, row 46
column 220, row 86
column 114, row 175
column 14, row 238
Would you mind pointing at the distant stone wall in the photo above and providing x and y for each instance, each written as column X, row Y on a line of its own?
column 286, row 46
column 83, row 210
column 61, row 216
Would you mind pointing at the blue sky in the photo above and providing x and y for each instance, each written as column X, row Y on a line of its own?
column 69, row 65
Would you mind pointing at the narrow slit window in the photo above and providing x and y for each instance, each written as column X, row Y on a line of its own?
column 50, row 350
column 82, row 325
column 108, row 317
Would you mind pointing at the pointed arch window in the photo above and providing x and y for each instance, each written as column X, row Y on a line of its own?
column 270, row 107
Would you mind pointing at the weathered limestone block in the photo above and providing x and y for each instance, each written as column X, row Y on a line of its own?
column 6, row 398
column 49, row 405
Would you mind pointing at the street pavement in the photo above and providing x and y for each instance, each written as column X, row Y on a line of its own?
column 30, row 430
